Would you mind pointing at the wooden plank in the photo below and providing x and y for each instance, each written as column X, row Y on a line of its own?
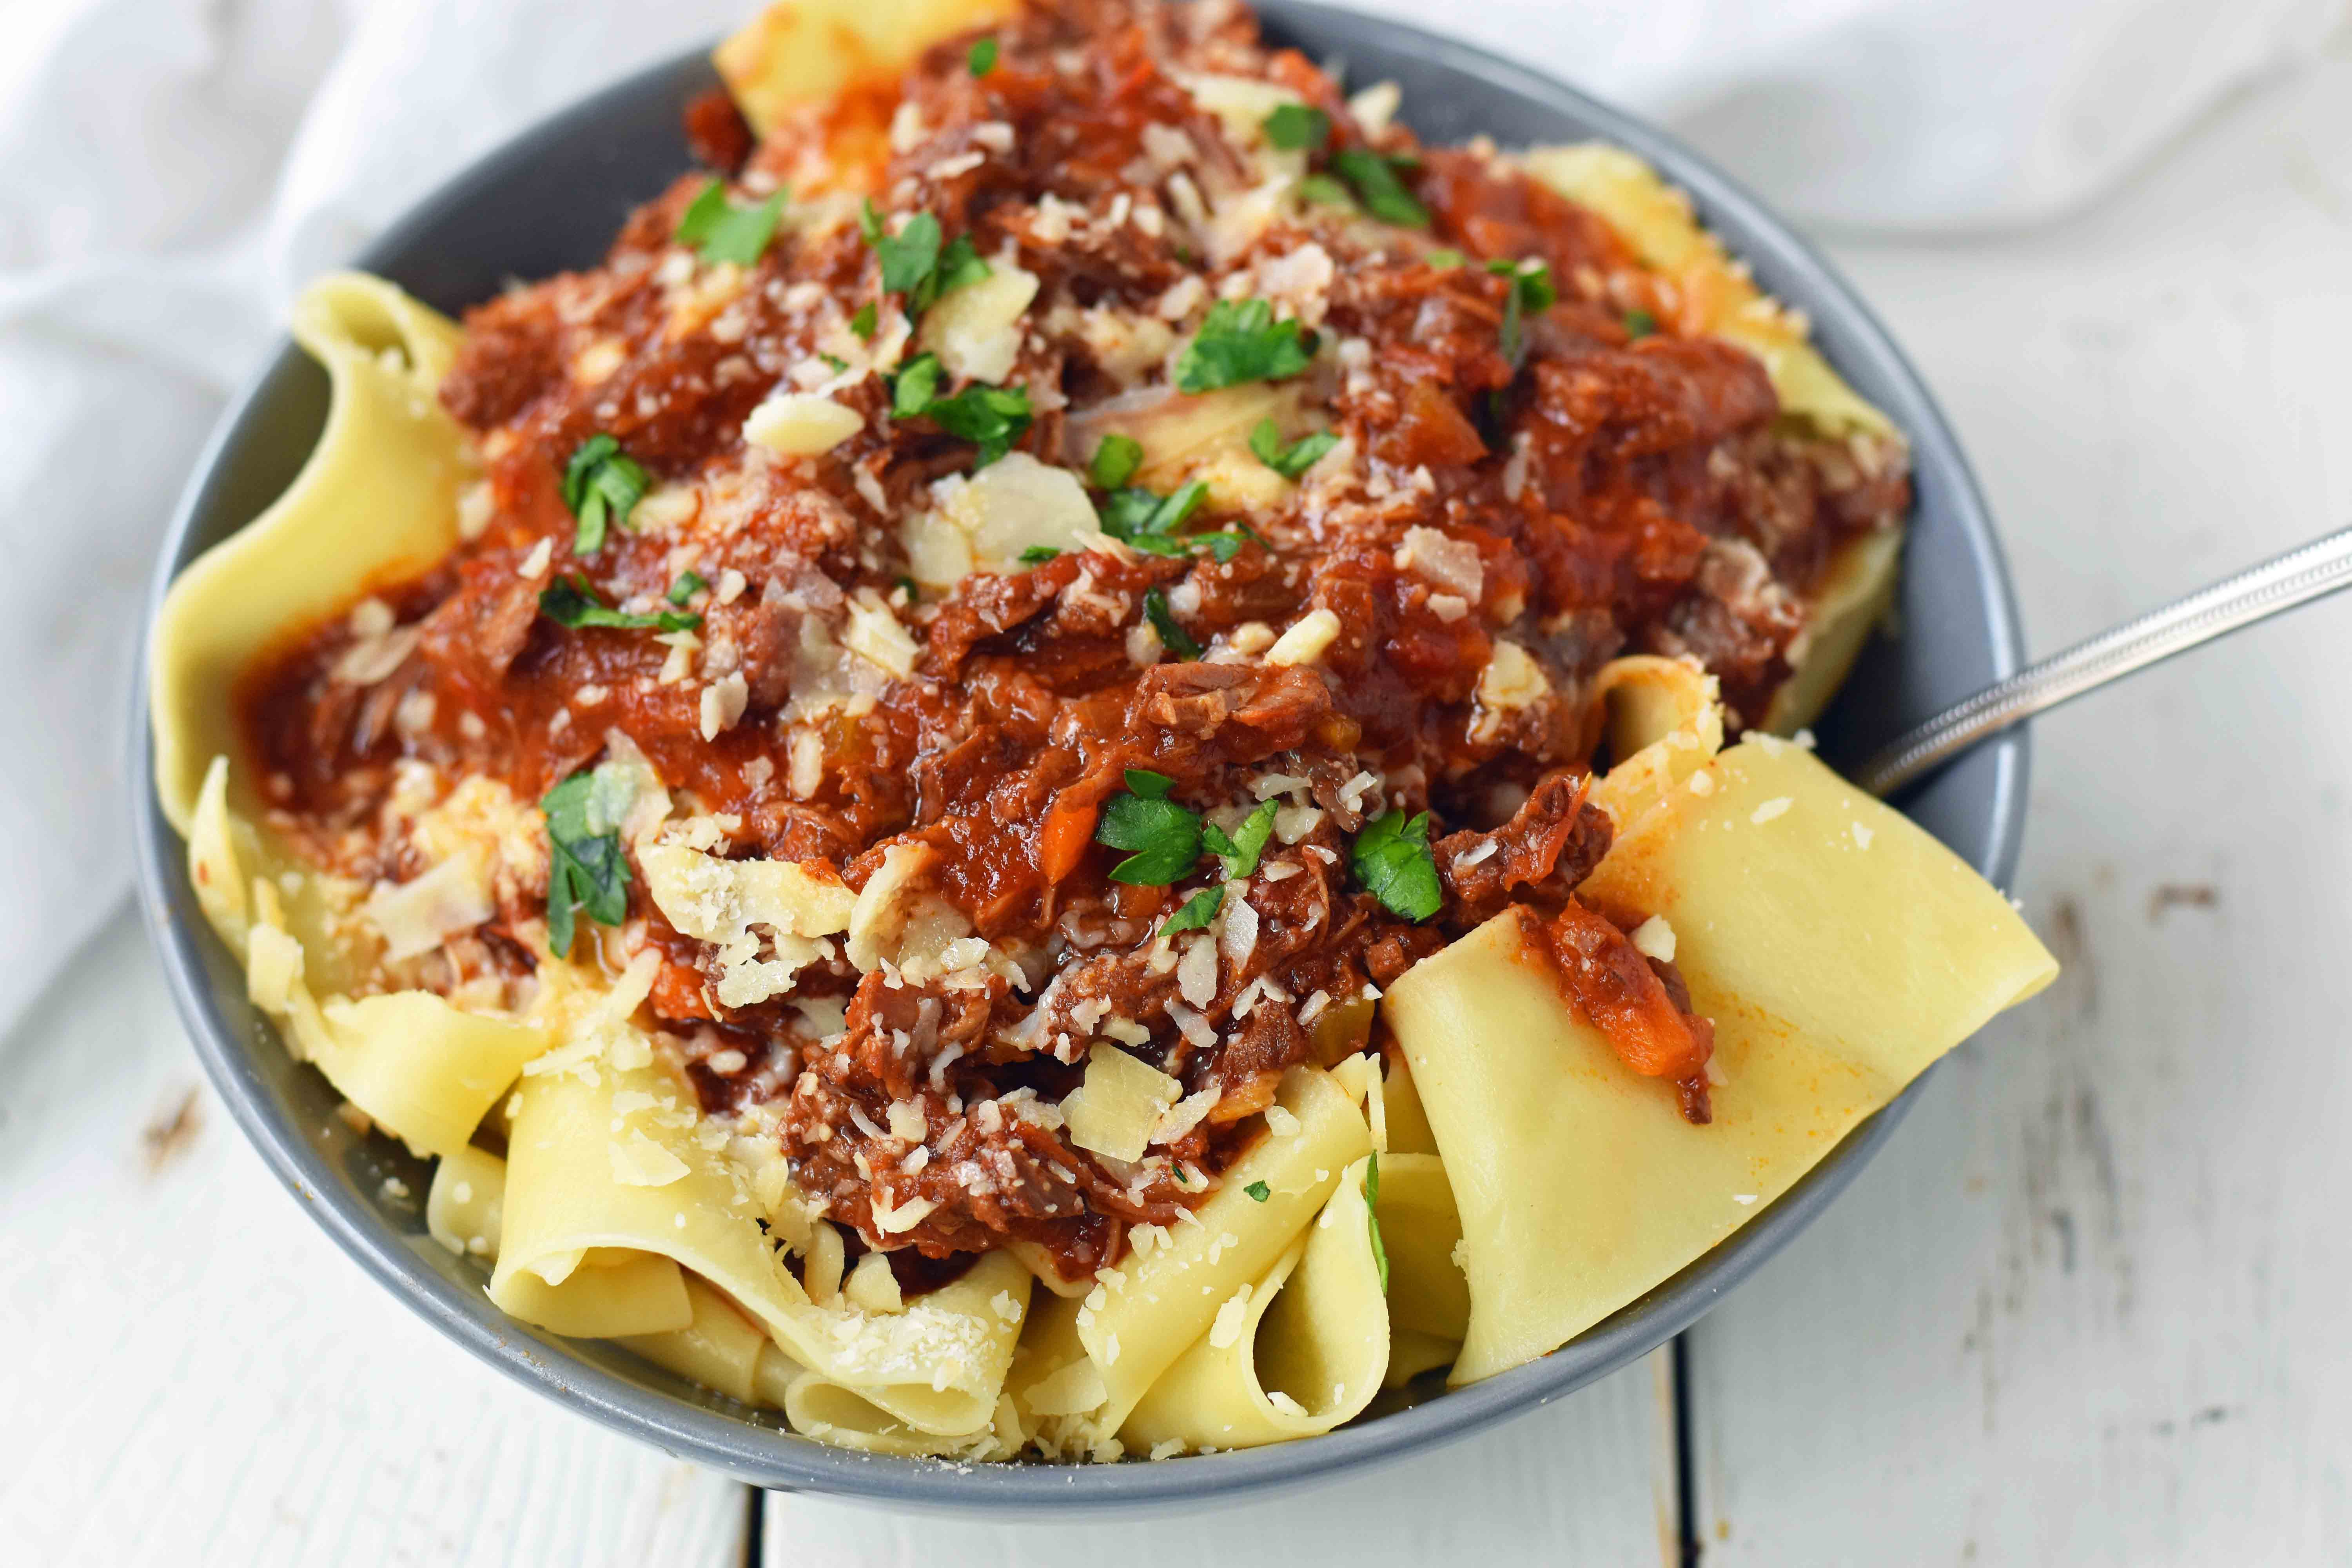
column 199, row 1376
column 1590, row 1479
column 2087, row 1308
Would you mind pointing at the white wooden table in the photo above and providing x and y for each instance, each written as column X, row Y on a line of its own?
column 2087, row 1308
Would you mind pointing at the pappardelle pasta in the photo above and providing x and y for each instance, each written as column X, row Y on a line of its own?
column 1083, row 762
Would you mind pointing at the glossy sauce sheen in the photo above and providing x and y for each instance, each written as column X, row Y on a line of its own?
column 1612, row 492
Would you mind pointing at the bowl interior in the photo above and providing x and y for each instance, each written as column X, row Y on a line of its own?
column 521, row 213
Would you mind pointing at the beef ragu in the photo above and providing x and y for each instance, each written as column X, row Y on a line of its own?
column 1373, row 485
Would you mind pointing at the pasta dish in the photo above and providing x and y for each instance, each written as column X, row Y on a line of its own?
column 1088, row 757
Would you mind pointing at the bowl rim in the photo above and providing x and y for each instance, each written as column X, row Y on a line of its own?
column 776, row 1459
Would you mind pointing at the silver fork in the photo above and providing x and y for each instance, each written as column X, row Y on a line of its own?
column 2280, row 583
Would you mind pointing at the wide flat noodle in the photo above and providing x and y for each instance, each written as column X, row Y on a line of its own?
column 1839, row 950
column 798, row 52
column 819, row 1408
column 376, row 502
column 1292, row 1353
column 1089, row 1362
column 720, row 1347
column 417, row 1065
column 1852, row 596
column 575, row 1180
column 1717, row 295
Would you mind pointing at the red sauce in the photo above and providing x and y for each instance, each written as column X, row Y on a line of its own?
column 1616, row 494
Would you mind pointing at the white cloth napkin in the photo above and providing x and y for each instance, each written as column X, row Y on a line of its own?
column 171, row 170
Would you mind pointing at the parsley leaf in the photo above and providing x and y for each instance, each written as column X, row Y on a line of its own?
column 1324, row 190
column 585, row 867
column 983, row 59
column 993, row 417
column 571, row 601
column 1178, row 640
column 1138, row 515
column 1242, row 848
column 1240, row 341
column 1165, row 837
column 1258, row 1192
column 865, row 321
column 1391, row 860
column 916, row 264
column 1532, row 279
column 1293, row 459
column 1445, row 256
column 1531, row 289
column 1372, row 1215
column 1147, row 521
column 687, row 587
column 1038, row 554
column 1198, row 911
column 602, row 485
column 1116, row 461
column 915, row 385
column 1640, row 324
column 909, row 257
column 1293, row 126
column 959, row 264
column 1376, row 182
column 721, row 231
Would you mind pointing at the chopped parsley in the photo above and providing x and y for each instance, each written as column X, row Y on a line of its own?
column 585, row 867
column 1134, row 514
column 1375, row 179
column 1640, row 324
column 1038, row 554
column 1391, row 861
column 1241, row 849
column 1295, row 127
column 1531, row 289
column 1293, row 459
column 992, row 417
column 1372, row 1215
column 1164, row 837
column 721, row 231
column 1258, row 1192
column 1242, row 341
column 571, row 601
column 1163, row 620
column 1147, row 521
column 1325, row 190
column 1198, row 911
column 687, row 587
column 864, row 322
column 1115, row 462
column 983, row 59
column 1445, row 256
column 914, row 261
column 1532, row 279
column 602, row 485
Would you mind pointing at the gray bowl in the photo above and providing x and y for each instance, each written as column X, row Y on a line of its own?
column 519, row 212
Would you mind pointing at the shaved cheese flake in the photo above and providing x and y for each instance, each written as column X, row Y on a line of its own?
column 1512, row 679
column 800, row 424
column 1307, row 639
column 1653, row 938
column 1013, row 505
column 976, row 329
column 1116, row 1109
column 876, row 636
column 416, row 917
column 641, row 1163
